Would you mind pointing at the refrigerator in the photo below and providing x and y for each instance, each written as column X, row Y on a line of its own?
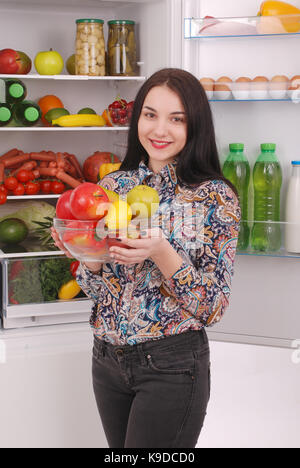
column 264, row 309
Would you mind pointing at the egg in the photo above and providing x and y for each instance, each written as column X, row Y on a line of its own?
column 207, row 83
column 278, row 87
column 241, row 88
column 294, row 88
column 259, row 88
column 222, row 88
column 294, row 82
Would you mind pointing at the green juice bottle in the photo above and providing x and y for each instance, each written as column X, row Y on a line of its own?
column 5, row 114
column 26, row 113
column 237, row 170
column 267, row 181
column 15, row 91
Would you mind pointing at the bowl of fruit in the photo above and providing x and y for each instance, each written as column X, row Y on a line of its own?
column 90, row 219
column 120, row 112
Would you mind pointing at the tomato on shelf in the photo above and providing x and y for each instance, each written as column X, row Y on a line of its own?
column 10, row 183
column 57, row 187
column 3, row 198
column 32, row 188
column 45, row 186
column 19, row 190
column 24, row 175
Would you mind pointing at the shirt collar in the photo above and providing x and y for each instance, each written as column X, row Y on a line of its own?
column 167, row 173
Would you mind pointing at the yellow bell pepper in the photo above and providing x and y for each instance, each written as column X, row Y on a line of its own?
column 107, row 168
column 275, row 8
column 69, row 290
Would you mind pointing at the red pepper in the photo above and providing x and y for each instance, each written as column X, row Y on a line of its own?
column 73, row 268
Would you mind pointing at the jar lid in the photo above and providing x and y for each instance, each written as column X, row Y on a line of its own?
column 236, row 146
column 296, row 163
column 121, row 22
column 89, row 20
column 268, row 147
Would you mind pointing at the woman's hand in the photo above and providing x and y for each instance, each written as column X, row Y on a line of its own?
column 58, row 243
column 151, row 245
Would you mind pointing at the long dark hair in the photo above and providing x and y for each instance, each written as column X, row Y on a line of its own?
column 199, row 160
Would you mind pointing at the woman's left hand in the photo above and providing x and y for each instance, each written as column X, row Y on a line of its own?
column 150, row 245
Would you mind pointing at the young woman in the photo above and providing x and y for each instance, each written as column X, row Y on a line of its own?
column 151, row 361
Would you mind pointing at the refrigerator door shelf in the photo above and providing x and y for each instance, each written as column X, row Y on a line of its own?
column 254, row 26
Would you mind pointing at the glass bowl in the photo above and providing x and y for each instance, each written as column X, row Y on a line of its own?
column 88, row 241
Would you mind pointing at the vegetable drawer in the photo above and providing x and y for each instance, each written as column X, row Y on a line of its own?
column 32, row 292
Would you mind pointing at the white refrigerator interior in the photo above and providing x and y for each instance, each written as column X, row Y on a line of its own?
column 45, row 351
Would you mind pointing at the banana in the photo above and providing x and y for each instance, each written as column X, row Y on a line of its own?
column 80, row 120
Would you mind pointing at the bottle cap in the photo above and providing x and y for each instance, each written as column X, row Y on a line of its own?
column 268, row 147
column 236, row 146
column 16, row 90
column 5, row 114
column 296, row 163
column 31, row 114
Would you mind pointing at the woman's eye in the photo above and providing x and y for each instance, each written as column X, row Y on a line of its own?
column 149, row 115
column 178, row 119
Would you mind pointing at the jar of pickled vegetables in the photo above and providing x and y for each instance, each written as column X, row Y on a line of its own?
column 121, row 48
column 90, row 47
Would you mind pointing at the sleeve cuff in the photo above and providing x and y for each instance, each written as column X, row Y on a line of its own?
column 183, row 280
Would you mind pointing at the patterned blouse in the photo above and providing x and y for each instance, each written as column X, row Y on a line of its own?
column 136, row 303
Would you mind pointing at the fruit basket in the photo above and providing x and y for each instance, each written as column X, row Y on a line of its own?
column 88, row 241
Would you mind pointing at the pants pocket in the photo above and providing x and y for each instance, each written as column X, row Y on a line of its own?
column 167, row 370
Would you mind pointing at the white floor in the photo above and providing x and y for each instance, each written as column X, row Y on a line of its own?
column 47, row 399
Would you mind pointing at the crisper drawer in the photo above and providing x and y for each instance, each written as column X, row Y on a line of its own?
column 31, row 290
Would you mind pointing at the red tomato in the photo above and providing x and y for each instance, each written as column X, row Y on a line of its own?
column 63, row 209
column 25, row 176
column 57, row 187
column 3, row 198
column 32, row 188
column 19, row 190
column 89, row 201
column 3, row 189
column 73, row 268
column 45, row 186
column 10, row 183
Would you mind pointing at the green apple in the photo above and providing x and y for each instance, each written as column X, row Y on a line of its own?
column 49, row 63
column 144, row 201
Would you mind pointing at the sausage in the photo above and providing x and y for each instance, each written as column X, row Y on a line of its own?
column 2, row 167
column 61, row 175
column 72, row 158
column 16, row 160
column 43, row 164
column 42, row 157
column 52, row 164
column 9, row 154
column 48, row 171
column 28, row 166
column 36, row 173
column 60, row 160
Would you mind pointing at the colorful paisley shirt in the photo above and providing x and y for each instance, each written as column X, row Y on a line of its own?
column 136, row 303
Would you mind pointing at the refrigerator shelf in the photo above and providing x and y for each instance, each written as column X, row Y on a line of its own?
column 35, row 76
column 253, row 26
column 64, row 129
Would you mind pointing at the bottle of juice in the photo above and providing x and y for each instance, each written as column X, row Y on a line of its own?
column 15, row 91
column 5, row 114
column 26, row 113
column 292, row 211
column 237, row 170
column 267, row 181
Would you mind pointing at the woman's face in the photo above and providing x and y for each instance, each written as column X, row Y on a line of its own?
column 162, row 126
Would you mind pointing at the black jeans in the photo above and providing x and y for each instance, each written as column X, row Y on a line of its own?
column 154, row 394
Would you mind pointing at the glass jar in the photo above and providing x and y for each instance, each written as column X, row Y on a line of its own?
column 90, row 48
column 121, row 48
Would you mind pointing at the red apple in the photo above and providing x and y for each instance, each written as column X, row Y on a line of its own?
column 89, row 202
column 13, row 62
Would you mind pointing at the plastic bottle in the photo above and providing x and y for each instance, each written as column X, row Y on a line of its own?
column 237, row 170
column 15, row 91
column 26, row 113
column 292, row 211
column 267, row 181
column 5, row 114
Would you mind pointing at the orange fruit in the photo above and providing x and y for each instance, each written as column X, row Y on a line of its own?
column 47, row 103
column 106, row 117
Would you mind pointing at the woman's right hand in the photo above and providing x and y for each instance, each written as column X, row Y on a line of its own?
column 58, row 242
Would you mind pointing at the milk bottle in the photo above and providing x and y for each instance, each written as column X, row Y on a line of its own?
column 292, row 230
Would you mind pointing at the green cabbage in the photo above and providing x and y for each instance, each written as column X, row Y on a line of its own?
column 27, row 211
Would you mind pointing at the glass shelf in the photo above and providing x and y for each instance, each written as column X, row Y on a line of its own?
column 274, row 239
column 254, row 26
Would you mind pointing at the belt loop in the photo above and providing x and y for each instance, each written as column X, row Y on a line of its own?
column 141, row 354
